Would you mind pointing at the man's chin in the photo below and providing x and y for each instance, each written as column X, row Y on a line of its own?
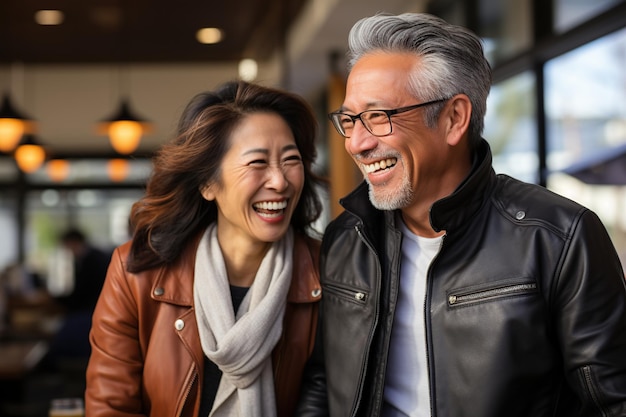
column 388, row 197
column 385, row 201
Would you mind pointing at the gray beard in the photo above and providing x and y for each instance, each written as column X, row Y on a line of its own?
column 394, row 199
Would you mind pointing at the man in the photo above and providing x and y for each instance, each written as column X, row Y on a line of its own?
column 90, row 268
column 452, row 291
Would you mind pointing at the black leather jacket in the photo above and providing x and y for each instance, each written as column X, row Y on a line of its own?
column 525, row 306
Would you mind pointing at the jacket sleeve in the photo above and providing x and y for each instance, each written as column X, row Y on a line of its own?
column 590, row 319
column 313, row 395
column 115, row 367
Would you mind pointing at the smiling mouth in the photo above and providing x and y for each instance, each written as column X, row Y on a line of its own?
column 270, row 209
column 380, row 165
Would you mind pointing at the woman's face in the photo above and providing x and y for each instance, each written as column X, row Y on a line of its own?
column 261, row 180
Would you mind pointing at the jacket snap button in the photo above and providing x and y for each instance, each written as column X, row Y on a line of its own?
column 316, row 292
column 159, row 291
column 179, row 324
column 520, row 215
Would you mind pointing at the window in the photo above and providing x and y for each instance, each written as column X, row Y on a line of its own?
column 570, row 13
column 586, row 122
column 511, row 127
column 506, row 28
column 586, row 101
column 8, row 225
column 102, row 214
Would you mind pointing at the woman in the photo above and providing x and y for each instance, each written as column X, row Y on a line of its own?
column 211, row 309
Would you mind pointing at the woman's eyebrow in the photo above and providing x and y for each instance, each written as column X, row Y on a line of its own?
column 285, row 148
column 257, row 150
column 290, row 147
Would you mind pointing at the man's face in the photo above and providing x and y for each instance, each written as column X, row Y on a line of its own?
column 407, row 165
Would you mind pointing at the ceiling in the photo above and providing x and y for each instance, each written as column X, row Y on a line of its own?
column 70, row 76
column 99, row 31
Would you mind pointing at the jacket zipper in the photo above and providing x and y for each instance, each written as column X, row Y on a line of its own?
column 477, row 296
column 376, row 318
column 186, row 394
column 427, row 326
column 347, row 293
column 591, row 389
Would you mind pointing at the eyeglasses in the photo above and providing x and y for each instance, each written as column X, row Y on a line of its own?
column 377, row 122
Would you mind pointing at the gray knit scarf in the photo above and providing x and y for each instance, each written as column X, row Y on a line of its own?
column 242, row 346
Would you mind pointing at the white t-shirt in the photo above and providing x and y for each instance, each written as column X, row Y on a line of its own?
column 406, row 383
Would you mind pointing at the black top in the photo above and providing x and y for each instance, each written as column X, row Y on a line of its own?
column 213, row 374
column 90, row 270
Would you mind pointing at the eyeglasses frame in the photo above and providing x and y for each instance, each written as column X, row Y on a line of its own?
column 389, row 113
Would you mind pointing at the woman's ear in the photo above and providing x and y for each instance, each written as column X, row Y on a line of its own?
column 460, row 112
column 207, row 192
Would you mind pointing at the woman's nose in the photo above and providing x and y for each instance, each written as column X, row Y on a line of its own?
column 276, row 178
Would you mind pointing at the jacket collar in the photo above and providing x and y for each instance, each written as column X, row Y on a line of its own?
column 448, row 213
column 174, row 283
column 453, row 211
column 305, row 281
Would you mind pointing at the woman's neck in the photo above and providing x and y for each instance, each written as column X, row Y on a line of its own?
column 242, row 260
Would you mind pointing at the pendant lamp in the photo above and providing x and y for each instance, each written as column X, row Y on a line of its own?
column 124, row 129
column 29, row 154
column 13, row 125
column 118, row 169
column 58, row 169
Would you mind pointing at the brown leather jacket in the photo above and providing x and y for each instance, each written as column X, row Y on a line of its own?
column 146, row 356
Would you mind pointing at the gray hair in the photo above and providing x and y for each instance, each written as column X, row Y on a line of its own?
column 452, row 58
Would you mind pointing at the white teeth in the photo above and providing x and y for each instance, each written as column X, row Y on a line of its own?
column 270, row 215
column 271, row 205
column 382, row 164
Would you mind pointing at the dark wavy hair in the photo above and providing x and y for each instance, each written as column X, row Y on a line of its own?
column 173, row 210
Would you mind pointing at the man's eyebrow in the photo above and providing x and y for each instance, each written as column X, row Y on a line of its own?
column 372, row 105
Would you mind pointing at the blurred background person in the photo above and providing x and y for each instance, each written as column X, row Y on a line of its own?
column 70, row 344
column 90, row 265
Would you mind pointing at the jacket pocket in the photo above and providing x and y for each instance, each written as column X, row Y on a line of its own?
column 467, row 296
column 587, row 379
column 346, row 293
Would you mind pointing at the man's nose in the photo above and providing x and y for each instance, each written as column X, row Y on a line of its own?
column 360, row 140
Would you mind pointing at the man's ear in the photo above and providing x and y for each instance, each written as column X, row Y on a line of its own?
column 459, row 114
column 207, row 192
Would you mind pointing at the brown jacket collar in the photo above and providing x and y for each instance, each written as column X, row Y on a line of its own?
column 174, row 286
